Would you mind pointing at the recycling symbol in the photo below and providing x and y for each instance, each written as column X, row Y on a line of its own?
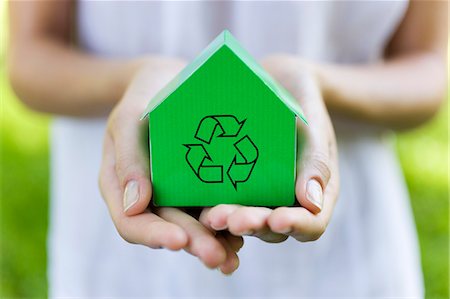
column 202, row 164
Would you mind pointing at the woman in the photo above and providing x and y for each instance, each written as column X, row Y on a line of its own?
column 372, row 65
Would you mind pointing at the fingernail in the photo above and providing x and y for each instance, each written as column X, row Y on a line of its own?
column 225, row 274
column 131, row 195
column 314, row 193
column 218, row 227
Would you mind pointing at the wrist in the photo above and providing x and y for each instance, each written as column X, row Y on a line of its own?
column 320, row 73
column 128, row 71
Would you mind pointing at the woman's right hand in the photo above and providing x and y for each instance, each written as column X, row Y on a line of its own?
column 126, row 187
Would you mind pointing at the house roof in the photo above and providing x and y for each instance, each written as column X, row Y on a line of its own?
column 226, row 39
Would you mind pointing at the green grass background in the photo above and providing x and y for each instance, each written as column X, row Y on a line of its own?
column 24, row 182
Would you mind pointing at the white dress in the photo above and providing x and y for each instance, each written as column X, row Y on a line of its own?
column 368, row 250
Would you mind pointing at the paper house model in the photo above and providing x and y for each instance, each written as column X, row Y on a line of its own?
column 223, row 131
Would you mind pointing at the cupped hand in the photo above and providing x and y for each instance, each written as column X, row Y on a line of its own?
column 317, row 183
column 125, row 184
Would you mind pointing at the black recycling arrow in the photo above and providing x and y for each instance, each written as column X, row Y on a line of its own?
column 240, row 172
column 228, row 125
column 197, row 158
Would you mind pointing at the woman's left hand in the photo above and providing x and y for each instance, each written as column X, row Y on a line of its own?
column 317, row 184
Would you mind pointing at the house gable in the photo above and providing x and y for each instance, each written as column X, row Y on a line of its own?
column 226, row 40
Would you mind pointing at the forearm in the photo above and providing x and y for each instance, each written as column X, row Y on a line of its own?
column 398, row 93
column 51, row 77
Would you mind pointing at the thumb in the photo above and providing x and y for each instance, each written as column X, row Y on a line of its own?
column 130, row 137
column 314, row 158
column 313, row 179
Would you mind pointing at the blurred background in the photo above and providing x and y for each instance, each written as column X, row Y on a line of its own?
column 24, row 181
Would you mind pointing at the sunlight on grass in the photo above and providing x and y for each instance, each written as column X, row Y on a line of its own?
column 424, row 151
column 21, row 126
column 26, row 129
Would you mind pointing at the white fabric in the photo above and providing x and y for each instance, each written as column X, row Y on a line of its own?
column 370, row 247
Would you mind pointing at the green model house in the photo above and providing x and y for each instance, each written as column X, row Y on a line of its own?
column 223, row 131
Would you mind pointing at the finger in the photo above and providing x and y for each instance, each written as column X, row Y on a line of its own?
column 232, row 261
column 297, row 222
column 203, row 219
column 241, row 221
column 235, row 242
column 248, row 220
column 130, row 136
column 216, row 217
column 147, row 229
column 252, row 221
column 150, row 230
column 202, row 242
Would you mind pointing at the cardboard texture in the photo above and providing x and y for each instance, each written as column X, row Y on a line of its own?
column 223, row 131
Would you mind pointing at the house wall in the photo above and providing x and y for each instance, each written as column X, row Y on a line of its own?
column 223, row 86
